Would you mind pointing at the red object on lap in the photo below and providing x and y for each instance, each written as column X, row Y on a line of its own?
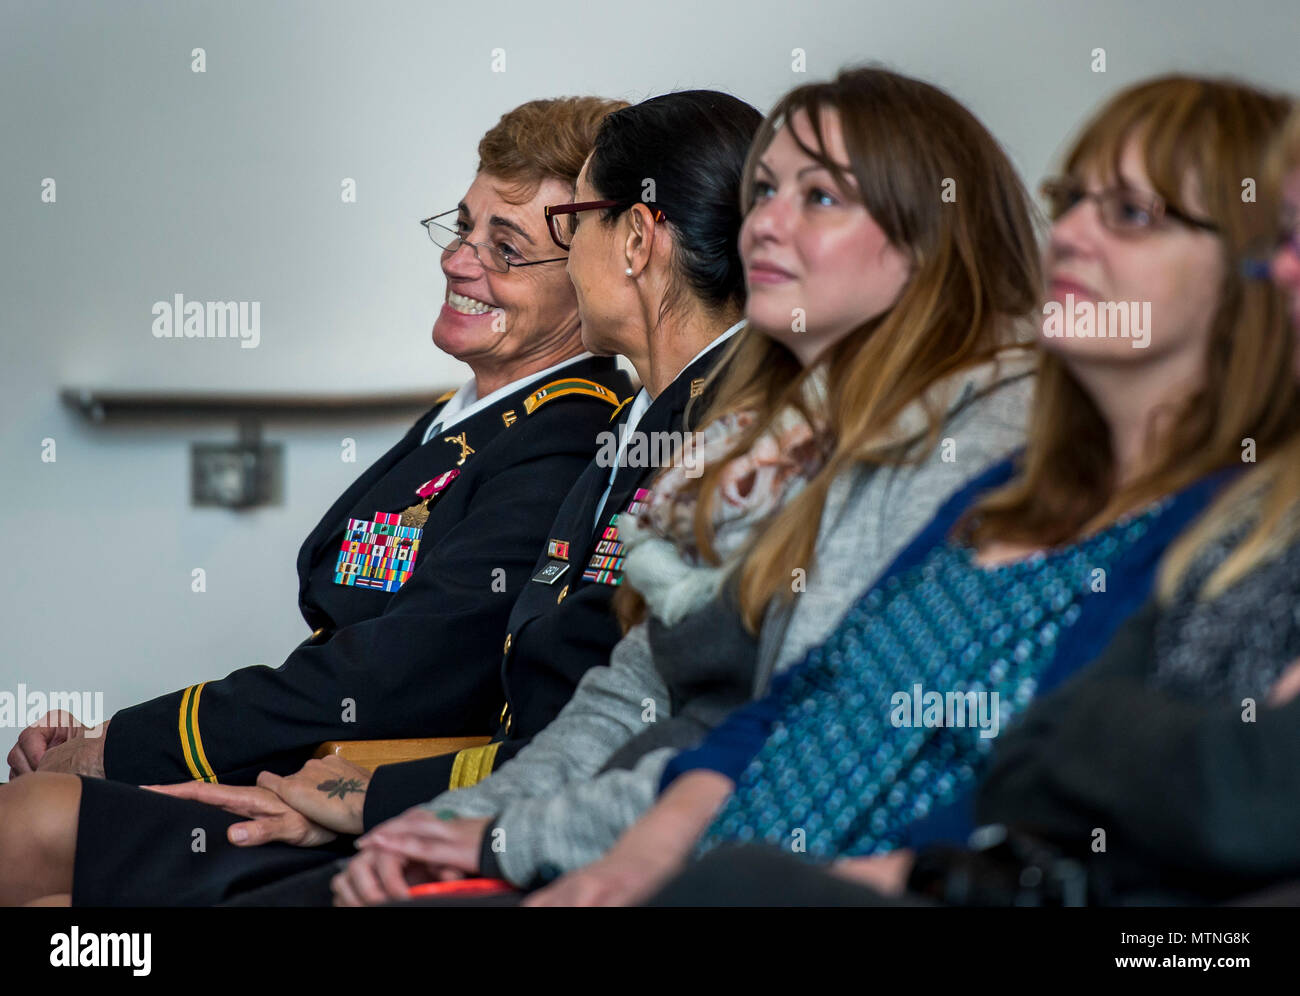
column 462, row 887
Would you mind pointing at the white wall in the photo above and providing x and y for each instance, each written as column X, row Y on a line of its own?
column 225, row 185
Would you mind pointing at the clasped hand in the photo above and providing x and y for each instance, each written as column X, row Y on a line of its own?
column 324, row 798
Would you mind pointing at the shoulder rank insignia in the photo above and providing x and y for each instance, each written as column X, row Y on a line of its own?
column 465, row 448
column 444, row 397
column 697, row 387
column 568, row 385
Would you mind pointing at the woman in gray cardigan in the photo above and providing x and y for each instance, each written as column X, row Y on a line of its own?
column 570, row 794
column 830, row 442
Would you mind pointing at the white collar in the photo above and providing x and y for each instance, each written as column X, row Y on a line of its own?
column 466, row 402
column 716, row 342
column 641, row 403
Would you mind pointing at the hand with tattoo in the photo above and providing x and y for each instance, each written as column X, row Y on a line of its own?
column 324, row 798
column 340, row 787
column 327, row 790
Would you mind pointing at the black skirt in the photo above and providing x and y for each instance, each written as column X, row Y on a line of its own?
column 142, row 848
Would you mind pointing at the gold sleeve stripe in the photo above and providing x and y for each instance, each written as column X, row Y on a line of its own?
column 191, row 743
column 569, row 385
column 185, row 740
column 472, row 765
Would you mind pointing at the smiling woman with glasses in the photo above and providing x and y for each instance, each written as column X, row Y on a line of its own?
column 404, row 582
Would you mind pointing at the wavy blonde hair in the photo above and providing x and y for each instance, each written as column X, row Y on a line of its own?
column 1268, row 496
column 1218, row 131
column 976, row 275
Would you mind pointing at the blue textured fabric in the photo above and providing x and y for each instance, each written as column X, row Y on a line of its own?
column 820, row 763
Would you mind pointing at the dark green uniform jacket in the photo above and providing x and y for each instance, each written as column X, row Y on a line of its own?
column 408, row 619
column 561, row 625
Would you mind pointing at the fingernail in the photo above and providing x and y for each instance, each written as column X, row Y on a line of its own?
column 238, row 836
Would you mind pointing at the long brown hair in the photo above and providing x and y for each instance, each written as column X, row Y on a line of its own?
column 975, row 275
column 1269, row 496
column 1218, row 131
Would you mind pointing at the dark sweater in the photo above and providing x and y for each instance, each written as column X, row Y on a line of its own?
column 1156, row 745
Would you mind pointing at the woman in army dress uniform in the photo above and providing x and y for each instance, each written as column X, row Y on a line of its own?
column 695, row 142
column 408, row 580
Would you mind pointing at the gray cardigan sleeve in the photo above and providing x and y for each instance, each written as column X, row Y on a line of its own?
column 605, row 712
column 574, row 827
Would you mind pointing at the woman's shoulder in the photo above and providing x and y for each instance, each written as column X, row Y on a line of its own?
column 1238, row 641
column 999, row 391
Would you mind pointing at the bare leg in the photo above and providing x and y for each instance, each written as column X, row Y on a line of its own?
column 65, row 899
column 38, row 836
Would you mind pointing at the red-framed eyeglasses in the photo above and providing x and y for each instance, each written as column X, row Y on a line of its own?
column 562, row 219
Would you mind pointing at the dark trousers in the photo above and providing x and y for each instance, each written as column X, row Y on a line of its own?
column 312, row 888
column 750, row 875
column 747, row 875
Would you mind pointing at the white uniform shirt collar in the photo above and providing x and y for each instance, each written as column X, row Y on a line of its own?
column 640, row 404
column 466, row 402
column 716, row 342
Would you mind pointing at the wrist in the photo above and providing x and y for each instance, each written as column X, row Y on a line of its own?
column 92, row 753
column 683, row 813
column 353, row 823
column 488, row 865
column 99, row 736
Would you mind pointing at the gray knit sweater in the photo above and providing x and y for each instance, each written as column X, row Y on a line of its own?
column 557, row 808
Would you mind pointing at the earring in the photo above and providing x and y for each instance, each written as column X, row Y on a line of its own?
column 628, row 271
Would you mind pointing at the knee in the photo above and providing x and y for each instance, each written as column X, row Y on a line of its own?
column 38, row 809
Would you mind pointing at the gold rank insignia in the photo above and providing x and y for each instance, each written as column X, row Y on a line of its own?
column 465, row 448
column 509, row 418
column 566, row 386
column 621, row 405
column 697, row 387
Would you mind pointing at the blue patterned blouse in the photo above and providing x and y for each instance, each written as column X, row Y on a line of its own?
column 896, row 713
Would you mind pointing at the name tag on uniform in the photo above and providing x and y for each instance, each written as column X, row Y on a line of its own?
column 552, row 572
